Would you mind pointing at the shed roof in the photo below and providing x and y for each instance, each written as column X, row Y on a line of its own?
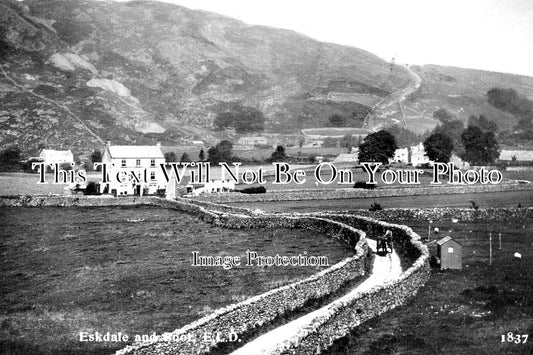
column 135, row 151
column 446, row 240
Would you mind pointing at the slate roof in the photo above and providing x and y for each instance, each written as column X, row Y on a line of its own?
column 447, row 239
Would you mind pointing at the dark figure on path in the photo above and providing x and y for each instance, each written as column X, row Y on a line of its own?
column 384, row 243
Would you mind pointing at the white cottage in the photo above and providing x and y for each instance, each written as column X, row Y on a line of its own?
column 133, row 169
column 51, row 156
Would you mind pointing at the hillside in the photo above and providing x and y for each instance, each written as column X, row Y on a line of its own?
column 76, row 72
column 463, row 92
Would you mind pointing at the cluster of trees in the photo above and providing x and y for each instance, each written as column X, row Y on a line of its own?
column 378, row 147
column 521, row 107
column 220, row 152
column 243, row 119
column 475, row 144
column 171, row 157
column 10, row 159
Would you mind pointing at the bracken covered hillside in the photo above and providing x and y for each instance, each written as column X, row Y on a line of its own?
column 77, row 72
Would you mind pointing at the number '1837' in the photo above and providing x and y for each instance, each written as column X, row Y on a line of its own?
column 510, row 337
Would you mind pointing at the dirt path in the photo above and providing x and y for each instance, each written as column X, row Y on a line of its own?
column 385, row 269
column 398, row 96
column 58, row 104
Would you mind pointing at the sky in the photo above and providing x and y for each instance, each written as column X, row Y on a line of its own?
column 495, row 35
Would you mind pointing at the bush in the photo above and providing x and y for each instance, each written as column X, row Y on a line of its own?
column 253, row 190
column 364, row 185
column 375, row 207
column 93, row 188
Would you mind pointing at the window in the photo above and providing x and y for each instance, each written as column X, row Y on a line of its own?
column 123, row 163
column 450, row 250
column 152, row 162
column 138, row 162
column 152, row 175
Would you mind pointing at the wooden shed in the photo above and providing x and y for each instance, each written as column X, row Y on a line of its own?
column 450, row 253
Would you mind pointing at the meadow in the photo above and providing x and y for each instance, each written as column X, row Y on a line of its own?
column 72, row 270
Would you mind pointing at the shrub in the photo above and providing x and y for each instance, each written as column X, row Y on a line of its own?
column 364, row 185
column 93, row 188
column 254, row 190
column 375, row 207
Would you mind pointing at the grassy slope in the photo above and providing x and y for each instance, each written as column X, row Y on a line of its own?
column 463, row 92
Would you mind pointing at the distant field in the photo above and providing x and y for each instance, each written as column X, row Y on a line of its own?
column 66, row 270
column 334, row 132
column 362, row 99
column 483, row 200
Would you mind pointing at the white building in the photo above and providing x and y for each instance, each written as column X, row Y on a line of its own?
column 51, row 156
column 213, row 186
column 414, row 155
column 133, row 169
column 418, row 155
column 252, row 141
column 401, row 156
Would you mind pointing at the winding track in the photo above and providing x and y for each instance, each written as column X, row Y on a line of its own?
column 397, row 96
column 385, row 269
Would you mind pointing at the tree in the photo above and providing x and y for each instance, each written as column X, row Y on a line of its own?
column 482, row 122
column 438, row 147
column 201, row 155
column 453, row 129
column 220, row 153
column 185, row 158
column 170, row 157
column 10, row 158
column 243, row 118
column 443, row 115
column 378, row 147
column 481, row 148
column 96, row 156
column 279, row 154
column 336, row 120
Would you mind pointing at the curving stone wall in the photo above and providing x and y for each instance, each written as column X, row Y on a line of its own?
column 340, row 317
column 243, row 316
column 256, row 311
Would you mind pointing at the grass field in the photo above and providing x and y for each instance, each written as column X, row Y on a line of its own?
column 461, row 311
column 68, row 270
column 483, row 200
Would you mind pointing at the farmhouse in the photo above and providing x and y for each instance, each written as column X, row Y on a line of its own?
column 414, row 155
column 401, row 156
column 51, row 156
column 133, row 170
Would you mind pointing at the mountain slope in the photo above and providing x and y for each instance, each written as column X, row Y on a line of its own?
column 137, row 71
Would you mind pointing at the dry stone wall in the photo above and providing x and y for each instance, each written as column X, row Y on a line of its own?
column 340, row 317
column 243, row 316
column 334, row 194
